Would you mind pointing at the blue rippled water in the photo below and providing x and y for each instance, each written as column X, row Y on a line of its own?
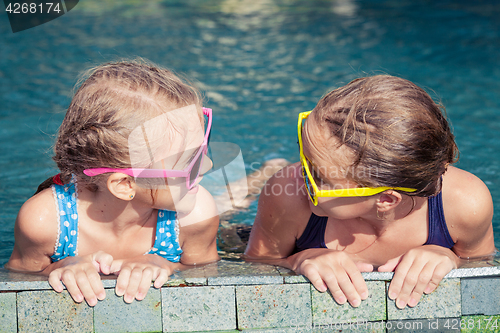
column 259, row 63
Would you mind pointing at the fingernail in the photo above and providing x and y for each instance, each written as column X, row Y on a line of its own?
column 412, row 302
column 341, row 300
column 355, row 303
column 119, row 292
column 139, row 296
column 364, row 295
column 128, row 299
column 392, row 295
column 78, row 298
column 101, row 296
column 401, row 304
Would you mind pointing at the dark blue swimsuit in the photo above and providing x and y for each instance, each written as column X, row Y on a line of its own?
column 314, row 234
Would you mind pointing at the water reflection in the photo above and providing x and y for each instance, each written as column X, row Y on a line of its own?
column 259, row 64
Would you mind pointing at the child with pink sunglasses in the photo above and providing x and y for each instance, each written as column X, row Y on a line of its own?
column 131, row 153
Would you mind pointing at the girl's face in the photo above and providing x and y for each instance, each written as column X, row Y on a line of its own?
column 329, row 164
column 173, row 140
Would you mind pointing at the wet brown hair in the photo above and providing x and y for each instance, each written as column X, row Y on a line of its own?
column 399, row 136
column 111, row 100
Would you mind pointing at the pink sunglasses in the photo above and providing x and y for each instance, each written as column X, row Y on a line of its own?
column 191, row 172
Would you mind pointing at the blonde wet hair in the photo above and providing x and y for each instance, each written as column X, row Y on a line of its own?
column 398, row 135
column 111, row 100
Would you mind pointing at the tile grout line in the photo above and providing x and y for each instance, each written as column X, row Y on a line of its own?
column 235, row 307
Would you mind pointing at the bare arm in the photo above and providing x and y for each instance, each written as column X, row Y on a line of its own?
column 35, row 234
column 282, row 211
column 198, row 232
column 470, row 214
column 282, row 216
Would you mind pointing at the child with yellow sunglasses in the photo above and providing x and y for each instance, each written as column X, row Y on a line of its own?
column 374, row 190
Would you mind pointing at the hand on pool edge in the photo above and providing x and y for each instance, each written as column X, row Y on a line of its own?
column 80, row 276
column 417, row 272
column 136, row 274
column 333, row 270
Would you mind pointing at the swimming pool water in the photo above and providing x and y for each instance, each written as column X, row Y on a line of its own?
column 259, row 63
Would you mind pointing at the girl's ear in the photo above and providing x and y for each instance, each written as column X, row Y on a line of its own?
column 121, row 186
column 388, row 200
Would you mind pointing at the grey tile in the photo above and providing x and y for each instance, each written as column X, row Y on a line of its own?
column 475, row 271
column 48, row 311
column 377, row 276
column 244, row 280
column 242, row 273
column 295, row 279
column 114, row 315
column 444, row 302
column 273, row 306
column 198, row 309
column 8, row 312
column 481, row 296
column 326, row 311
column 290, row 276
column 10, row 281
column 109, row 281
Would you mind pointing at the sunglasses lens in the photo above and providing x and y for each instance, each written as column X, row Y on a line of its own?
column 307, row 182
column 195, row 171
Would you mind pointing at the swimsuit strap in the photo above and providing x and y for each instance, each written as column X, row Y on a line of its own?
column 66, row 200
column 167, row 236
column 438, row 230
column 313, row 235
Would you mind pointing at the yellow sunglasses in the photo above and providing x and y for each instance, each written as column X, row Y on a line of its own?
column 312, row 189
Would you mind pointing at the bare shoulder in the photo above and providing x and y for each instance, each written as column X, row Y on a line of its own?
column 36, row 232
column 285, row 193
column 37, row 218
column 282, row 214
column 467, row 195
column 468, row 208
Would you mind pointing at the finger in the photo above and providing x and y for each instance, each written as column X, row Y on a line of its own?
column 348, row 289
column 133, row 285
column 440, row 272
column 390, row 265
column 104, row 261
column 411, row 280
column 122, row 281
column 398, row 279
column 313, row 276
column 68, row 278
column 358, row 282
column 55, row 280
column 364, row 267
column 162, row 277
column 145, row 283
column 331, row 281
column 83, row 282
column 423, row 281
column 116, row 266
column 96, row 284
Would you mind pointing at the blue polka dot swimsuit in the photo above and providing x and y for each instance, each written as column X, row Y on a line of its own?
column 66, row 198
